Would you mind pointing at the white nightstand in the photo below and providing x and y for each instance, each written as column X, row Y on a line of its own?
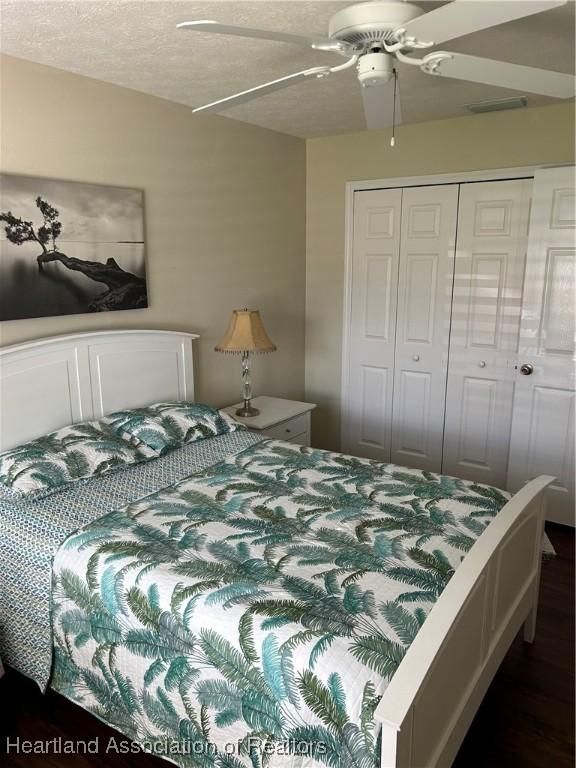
column 282, row 419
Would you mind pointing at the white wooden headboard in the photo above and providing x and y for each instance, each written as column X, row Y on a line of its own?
column 52, row 382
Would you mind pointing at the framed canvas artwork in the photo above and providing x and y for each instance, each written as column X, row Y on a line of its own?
column 68, row 248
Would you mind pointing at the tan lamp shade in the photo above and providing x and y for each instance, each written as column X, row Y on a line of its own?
column 245, row 333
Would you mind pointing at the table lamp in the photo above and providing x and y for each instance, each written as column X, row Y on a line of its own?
column 246, row 335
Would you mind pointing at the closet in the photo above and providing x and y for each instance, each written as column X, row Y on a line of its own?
column 486, row 308
column 453, row 289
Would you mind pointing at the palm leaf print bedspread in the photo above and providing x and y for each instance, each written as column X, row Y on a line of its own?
column 253, row 614
column 31, row 532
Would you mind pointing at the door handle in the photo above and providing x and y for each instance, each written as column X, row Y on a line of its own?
column 527, row 369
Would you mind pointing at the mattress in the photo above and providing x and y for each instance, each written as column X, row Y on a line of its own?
column 255, row 611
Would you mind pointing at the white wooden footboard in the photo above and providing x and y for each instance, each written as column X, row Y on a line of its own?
column 433, row 696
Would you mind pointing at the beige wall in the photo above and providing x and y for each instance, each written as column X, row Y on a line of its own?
column 500, row 140
column 225, row 216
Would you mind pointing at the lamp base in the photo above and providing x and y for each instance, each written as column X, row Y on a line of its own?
column 247, row 410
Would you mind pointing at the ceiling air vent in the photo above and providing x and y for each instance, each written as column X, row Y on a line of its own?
column 495, row 105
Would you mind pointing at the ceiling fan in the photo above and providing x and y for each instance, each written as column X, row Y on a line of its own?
column 374, row 36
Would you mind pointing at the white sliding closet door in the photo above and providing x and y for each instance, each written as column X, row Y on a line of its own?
column 488, row 281
column 427, row 242
column 543, row 423
column 374, row 275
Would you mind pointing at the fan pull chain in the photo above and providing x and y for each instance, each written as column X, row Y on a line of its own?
column 393, row 138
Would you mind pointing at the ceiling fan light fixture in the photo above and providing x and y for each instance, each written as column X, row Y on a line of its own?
column 375, row 69
column 497, row 105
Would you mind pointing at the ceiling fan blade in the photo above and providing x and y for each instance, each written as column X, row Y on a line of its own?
column 378, row 103
column 462, row 17
column 500, row 73
column 214, row 27
column 261, row 90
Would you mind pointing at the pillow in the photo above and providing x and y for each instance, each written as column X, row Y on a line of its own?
column 70, row 454
column 165, row 426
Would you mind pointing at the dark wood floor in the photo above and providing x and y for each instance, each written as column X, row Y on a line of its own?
column 525, row 721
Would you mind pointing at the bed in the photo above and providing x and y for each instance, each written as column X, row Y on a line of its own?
column 304, row 607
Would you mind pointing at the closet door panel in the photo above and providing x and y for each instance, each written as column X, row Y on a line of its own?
column 374, row 279
column 543, row 420
column 427, row 243
column 488, row 284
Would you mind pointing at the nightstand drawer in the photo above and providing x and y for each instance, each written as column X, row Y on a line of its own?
column 290, row 428
column 303, row 439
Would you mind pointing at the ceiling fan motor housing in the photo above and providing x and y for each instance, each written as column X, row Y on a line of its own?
column 364, row 25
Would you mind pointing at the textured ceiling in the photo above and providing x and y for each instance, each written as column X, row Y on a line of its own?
column 136, row 45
